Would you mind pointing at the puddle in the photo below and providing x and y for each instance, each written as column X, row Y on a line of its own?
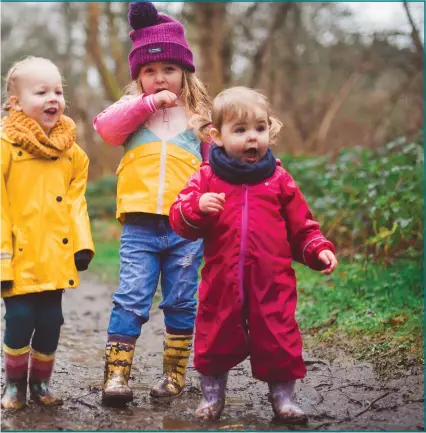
column 341, row 396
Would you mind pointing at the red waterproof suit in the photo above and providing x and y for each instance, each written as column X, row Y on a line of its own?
column 247, row 296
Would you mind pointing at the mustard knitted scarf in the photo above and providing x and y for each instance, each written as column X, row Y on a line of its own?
column 28, row 133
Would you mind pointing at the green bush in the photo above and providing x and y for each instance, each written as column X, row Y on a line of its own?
column 101, row 197
column 368, row 201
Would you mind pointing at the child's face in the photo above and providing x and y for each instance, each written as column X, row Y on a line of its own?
column 247, row 139
column 158, row 76
column 40, row 94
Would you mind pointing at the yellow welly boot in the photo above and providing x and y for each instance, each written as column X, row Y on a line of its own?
column 177, row 349
column 118, row 363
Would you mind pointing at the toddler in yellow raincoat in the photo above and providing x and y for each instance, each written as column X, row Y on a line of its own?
column 45, row 229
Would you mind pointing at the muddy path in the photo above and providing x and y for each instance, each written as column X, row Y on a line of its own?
column 342, row 395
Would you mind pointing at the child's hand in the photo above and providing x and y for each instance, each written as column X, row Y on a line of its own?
column 165, row 99
column 211, row 202
column 5, row 285
column 329, row 259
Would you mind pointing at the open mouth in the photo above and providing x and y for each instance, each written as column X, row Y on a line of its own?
column 159, row 90
column 51, row 111
column 251, row 155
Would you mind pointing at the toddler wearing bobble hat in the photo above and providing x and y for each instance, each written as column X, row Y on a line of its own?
column 161, row 151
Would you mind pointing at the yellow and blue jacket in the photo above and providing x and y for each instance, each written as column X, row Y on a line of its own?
column 160, row 153
column 153, row 171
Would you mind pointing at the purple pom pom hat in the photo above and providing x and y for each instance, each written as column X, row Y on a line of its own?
column 155, row 38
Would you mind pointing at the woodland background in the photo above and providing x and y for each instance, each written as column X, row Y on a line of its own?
column 351, row 98
column 333, row 83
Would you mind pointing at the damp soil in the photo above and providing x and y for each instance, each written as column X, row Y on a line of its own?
column 338, row 393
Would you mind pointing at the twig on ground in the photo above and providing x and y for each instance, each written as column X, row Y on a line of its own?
column 78, row 400
column 316, row 361
column 362, row 385
column 354, row 416
column 371, row 404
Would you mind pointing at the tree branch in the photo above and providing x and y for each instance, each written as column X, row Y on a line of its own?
column 320, row 134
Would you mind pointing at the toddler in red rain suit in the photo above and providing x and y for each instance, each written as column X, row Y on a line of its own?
column 255, row 222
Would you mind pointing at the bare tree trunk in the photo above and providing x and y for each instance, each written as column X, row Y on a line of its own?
column 98, row 153
column 290, row 74
column 376, row 133
column 116, row 47
column 111, row 86
column 259, row 58
column 226, row 54
column 66, row 58
column 415, row 35
column 211, row 29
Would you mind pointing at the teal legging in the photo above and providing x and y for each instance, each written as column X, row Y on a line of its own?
column 36, row 315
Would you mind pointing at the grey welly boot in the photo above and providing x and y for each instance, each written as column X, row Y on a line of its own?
column 281, row 397
column 213, row 401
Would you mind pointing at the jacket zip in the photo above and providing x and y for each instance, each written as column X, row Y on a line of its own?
column 244, row 218
column 162, row 168
column 243, row 242
column 162, row 177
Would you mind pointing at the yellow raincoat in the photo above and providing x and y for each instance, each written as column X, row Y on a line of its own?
column 44, row 218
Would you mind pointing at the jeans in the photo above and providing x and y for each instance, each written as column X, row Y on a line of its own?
column 150, row 248
column 35, row 313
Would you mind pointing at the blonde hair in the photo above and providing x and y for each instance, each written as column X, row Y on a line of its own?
column 13, row 75
column 194, row 94
column 236, row 103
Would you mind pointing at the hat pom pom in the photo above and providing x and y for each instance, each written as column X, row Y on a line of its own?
column 142, row 14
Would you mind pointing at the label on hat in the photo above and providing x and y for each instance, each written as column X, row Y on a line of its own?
column 155, row 50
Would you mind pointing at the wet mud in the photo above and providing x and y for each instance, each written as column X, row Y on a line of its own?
column 338, row 395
